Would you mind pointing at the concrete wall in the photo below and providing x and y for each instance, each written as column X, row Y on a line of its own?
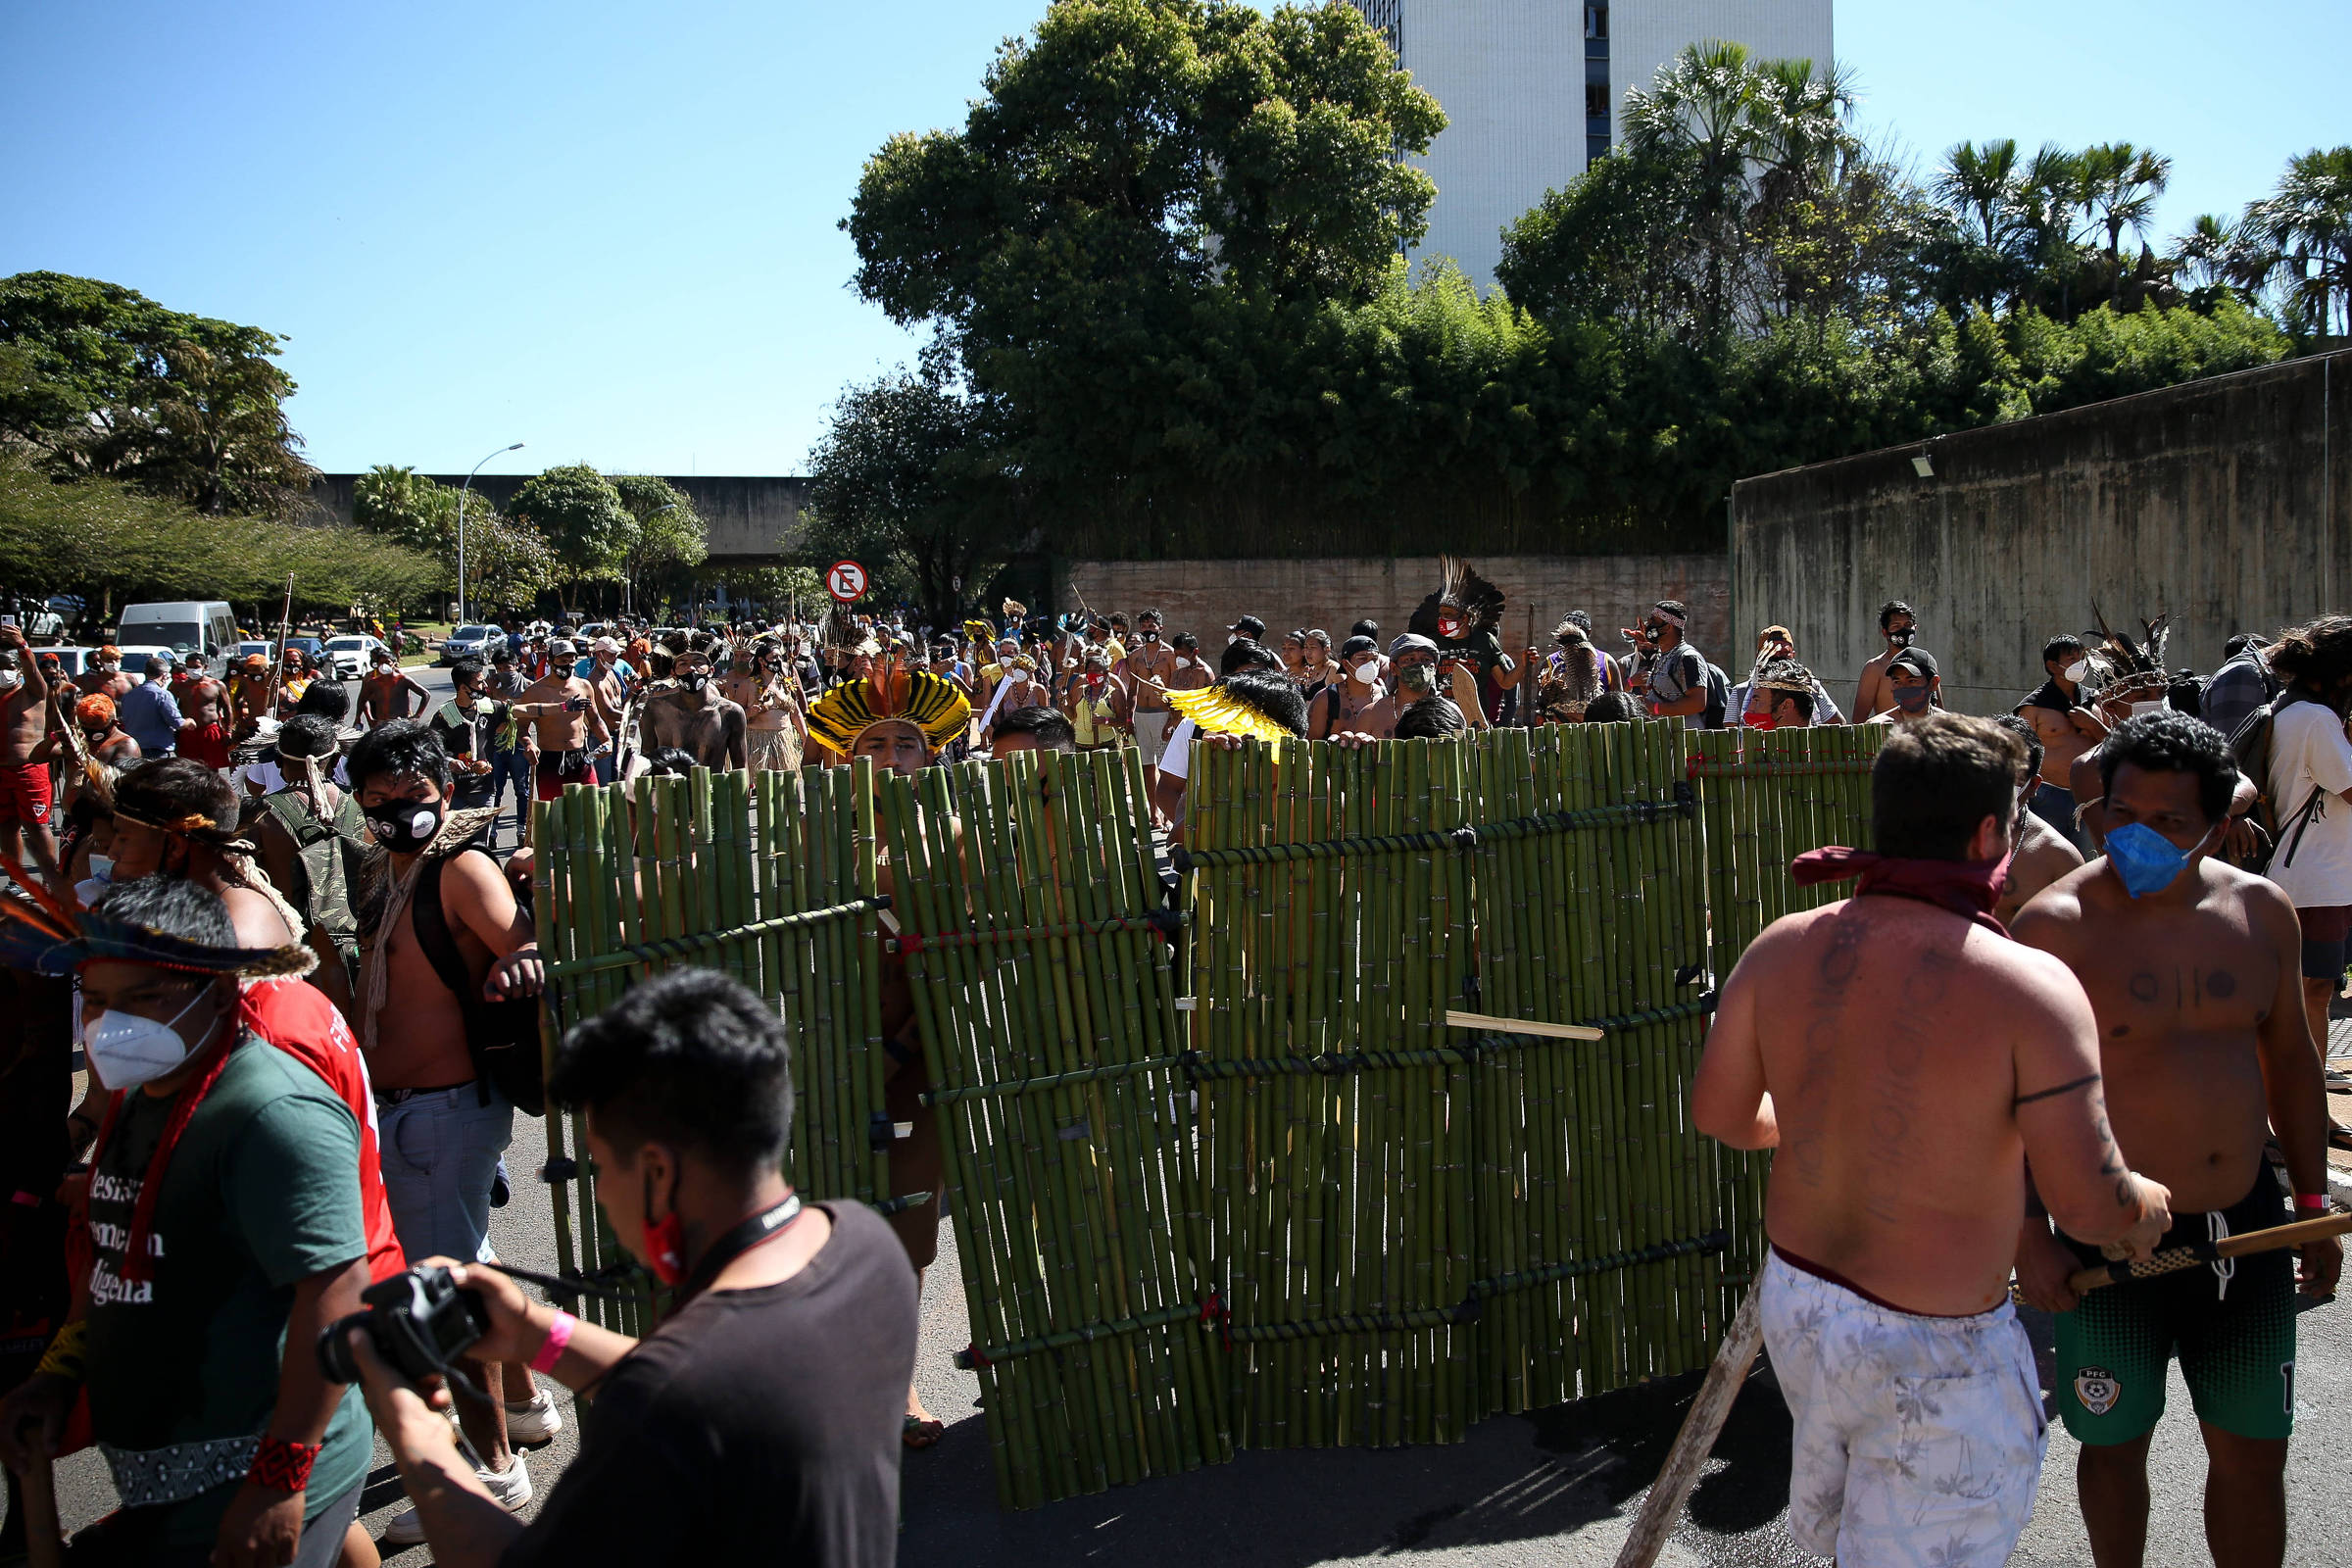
column 1207, row 596
column 2226, row 502
column 752, row 520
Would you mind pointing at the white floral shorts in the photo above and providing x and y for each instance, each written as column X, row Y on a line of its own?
column 1918, row 1439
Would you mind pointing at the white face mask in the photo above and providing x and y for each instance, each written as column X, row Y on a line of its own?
column 1232, row 637
column 1368, row 671
column 1183, row 662
column 129, row 1049
column 2078, row 672
column 11, row 679
column 2156, row 706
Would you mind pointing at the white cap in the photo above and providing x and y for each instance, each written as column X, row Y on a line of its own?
column 603, row 645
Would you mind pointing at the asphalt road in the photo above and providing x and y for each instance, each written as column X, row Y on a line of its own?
column 1558, row 1486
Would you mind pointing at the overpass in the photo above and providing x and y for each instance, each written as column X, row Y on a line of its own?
column 754, row 520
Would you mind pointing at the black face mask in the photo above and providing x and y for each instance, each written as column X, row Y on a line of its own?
column 1901, row 639
column 694, row 683
column 403, row 826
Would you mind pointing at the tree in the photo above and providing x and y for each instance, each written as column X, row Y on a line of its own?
column 109, row 540
column 2307, row 224
column 409, row 507
column 908, row 480
column 2120, row 186
column 508, row 564
column 671, row 534
column 101, row 381
column 579, row 515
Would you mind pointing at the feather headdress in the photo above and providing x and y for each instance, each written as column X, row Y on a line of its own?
column 1221, row 709
column 50, row 936
column 1465, row 606
column 933, row 704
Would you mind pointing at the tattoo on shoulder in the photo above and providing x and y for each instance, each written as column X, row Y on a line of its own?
column 2084, row 1082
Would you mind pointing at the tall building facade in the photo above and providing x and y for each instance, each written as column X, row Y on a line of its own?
column 1533, row 90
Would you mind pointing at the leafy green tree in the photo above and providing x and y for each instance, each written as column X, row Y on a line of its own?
column 580, row 516
column 2307, row 225
column 670, row 535
column 101, row 381
column 508, row 564
column 909, row 482
column 409, row 507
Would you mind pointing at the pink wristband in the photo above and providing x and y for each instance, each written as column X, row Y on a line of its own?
column 2313, row 1202
column 558, row 1335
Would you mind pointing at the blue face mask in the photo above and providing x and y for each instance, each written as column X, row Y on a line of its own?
column 2146, row 859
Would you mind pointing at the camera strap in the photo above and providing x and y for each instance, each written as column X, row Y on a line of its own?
column 737, row 1242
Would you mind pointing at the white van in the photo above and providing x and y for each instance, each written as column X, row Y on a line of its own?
column 206, row 626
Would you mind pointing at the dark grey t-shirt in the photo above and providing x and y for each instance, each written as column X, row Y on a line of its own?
column 755, row 1426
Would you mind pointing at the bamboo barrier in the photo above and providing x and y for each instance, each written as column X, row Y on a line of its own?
column 767, row 877
column 1380, row 1129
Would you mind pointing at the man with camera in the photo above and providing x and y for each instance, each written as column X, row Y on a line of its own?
column 761, row 1422
column 225, row 1230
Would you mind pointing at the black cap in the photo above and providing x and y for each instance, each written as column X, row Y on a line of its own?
column 1250, row 627
column 1920, row 660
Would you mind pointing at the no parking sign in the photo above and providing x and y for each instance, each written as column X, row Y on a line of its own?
column 845, row 580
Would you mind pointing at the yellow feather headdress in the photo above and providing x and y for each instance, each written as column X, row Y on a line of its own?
column 1220, row 711
column 931, row 704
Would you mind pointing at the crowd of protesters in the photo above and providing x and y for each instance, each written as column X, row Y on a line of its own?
column 281, row 925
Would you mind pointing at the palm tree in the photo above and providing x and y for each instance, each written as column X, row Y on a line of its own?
column 1980, row 183
column 1700, row 107
column 2307, row 223
column 2120, row 184
column 2049, row 193
column 2220, row 257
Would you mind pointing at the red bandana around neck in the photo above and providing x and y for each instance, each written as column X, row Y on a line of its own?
column 1968, row 888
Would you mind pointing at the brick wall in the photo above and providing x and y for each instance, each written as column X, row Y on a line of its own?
column 1207, row 596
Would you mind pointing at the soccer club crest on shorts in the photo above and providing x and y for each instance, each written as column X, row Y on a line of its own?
column 2097, row 1388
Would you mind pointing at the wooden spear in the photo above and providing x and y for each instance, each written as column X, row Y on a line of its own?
column 1691, row 1446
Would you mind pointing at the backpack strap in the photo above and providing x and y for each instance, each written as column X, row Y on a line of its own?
column 440, row 949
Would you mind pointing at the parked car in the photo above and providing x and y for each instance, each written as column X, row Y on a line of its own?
column 73, row 661
column 346, row 658
column 251, row 646
column 476, row 640
column 315, row 647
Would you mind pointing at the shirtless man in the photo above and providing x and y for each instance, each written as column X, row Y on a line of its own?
column 695, row 719
column 105, row 677
column 249, row 693
column 1907, row 1061
column 607, row 693
column 2039, row 857
column 564, row 719
column 1148, row 668
column 26, row 799
column 2191, row 967
column 102, row 741
column 2066, row 726
column 176, row 817
column 1897, row 626
column 1912, row 688
column 386, row 689
column 761, row 684
column 440, row 1132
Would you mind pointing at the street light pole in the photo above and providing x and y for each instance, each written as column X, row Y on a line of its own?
column 461, row 493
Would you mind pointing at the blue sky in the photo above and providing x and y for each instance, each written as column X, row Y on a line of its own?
column 607, row 229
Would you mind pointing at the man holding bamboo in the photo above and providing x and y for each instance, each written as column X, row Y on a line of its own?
column 2192, row 971
column 900, row 719
column 1906, row 1060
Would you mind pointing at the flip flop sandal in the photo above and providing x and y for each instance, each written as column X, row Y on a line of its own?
column 918, row 1433
column 2340, row 1136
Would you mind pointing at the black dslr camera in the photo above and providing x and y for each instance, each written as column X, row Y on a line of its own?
column 420, row 1321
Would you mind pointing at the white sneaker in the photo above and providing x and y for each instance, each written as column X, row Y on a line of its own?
column 534, row 1421
column 512, row 1489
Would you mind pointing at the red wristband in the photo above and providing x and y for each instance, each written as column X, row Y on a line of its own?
column 558, row 1335
column 281, row 1464
column 2311, row 1203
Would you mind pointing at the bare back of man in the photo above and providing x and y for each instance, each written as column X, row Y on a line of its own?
column 1894, row 1040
